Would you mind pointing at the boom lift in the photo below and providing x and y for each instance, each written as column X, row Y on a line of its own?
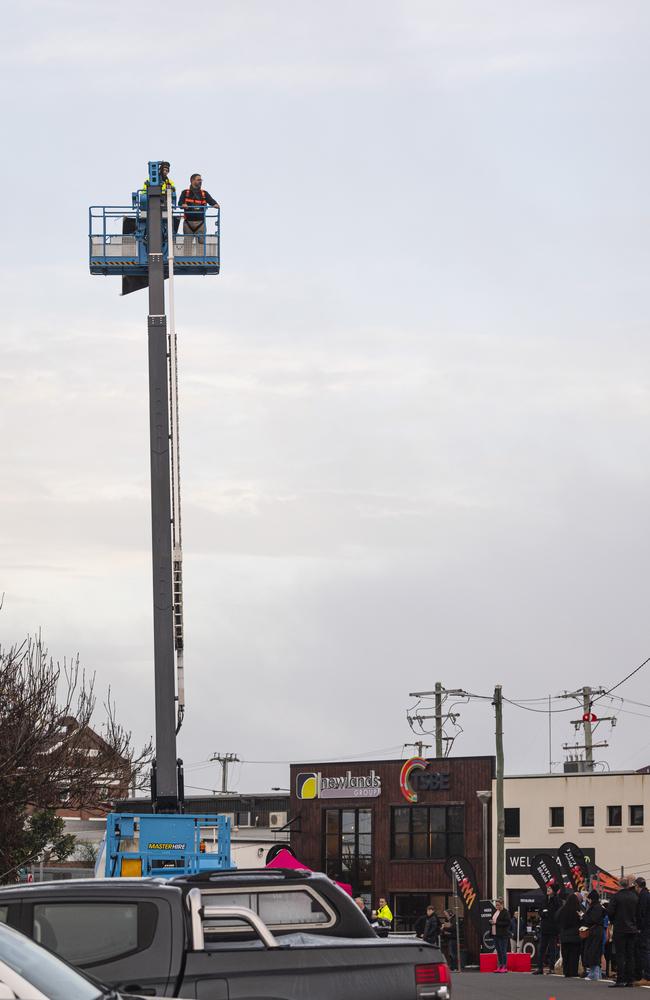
column 140, row 243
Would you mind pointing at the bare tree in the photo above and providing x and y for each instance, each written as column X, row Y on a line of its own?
column 50, row 757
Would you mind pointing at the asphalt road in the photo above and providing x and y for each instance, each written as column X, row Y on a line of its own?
column 523, row 986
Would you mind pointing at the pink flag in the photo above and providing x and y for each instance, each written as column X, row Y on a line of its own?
column 284, row 859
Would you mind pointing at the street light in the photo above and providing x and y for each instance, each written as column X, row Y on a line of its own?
column 485, row 798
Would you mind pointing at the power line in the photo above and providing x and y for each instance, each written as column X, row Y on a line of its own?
column 201, row 765
column 626, row 678
column 539, row 711
column 629, row 711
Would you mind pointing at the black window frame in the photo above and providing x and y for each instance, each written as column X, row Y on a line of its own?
column 611, row 816
column 582, row 815
column 512, row 821
column 552, row 825
column 358, row 873
column 416, row 829
column 631, row 821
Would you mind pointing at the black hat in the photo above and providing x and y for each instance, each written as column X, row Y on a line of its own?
column 640, row 882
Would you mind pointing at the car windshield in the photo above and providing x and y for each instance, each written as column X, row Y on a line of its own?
column 43, row 970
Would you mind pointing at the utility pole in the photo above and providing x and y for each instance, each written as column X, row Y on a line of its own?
column 498, row 716
column 588, row 722
column 438, row 694
column 420, row 746
column 586, row 718
column 225, row 759
column 438, row 714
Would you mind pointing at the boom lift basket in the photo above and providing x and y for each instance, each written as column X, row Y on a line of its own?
column 117, row 236
column 166, row 845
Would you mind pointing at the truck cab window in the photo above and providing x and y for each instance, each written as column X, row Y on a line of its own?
column 87, row 934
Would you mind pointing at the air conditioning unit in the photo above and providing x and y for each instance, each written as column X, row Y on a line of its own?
column 277, row 820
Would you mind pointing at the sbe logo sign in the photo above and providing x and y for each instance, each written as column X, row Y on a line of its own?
column 414, row 777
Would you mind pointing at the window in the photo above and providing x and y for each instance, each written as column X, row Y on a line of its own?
column 636, row 815
column 427, row 831
column 512, row 822
column 87, row 934
column 45, row 972
column 614, row 815
column 277, row 909
column 282, row 909
column 347, row 849
column 586, row 816
column 4, row 910
column 557, row 816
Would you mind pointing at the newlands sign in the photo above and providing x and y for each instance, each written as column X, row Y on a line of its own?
column 314, row 785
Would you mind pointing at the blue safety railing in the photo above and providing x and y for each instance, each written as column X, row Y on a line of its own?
column 117, row 240
column 166, row 845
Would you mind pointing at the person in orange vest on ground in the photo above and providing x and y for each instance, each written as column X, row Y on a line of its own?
column 194, row 200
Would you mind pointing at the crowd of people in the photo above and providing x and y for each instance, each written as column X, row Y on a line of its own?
column 434, row 929
column 593, row 936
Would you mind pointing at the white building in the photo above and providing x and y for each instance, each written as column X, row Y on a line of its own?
column 603, row 813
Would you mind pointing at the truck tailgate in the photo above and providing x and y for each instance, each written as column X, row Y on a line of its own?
column 310, row 967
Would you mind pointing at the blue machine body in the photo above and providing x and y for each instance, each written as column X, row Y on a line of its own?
column 166, row 845
column 117, row 237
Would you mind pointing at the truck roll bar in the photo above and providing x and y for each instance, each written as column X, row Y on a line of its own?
column 199, row 913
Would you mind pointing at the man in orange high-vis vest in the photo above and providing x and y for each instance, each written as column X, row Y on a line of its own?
column 194, row 200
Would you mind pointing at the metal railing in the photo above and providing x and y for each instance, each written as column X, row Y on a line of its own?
column 199, row 913
column 117, row 236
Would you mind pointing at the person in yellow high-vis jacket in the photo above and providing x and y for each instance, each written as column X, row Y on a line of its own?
column 166, row 182
column 164, row 176
column 384, row 913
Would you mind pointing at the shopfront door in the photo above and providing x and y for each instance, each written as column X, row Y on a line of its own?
column 408, row 907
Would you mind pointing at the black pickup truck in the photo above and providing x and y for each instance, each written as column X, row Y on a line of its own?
column 267, row 934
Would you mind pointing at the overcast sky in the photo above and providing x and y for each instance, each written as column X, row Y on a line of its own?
column 415, row 404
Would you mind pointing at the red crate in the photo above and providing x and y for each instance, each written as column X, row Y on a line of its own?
column 518, row 962
column 488, row 962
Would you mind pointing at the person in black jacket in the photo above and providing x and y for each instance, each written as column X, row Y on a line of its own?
column 643, row 940
column 432, row 927
column 593, row 919
column 421, row 923
column 420, row 926
column 568, row 922
column 548, row 932
column 500, row 922
column 622, row 911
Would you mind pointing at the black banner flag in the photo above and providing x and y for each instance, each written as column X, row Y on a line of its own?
column 604, row 882
column 574, row 861
column 546, row 871
column 462, row 872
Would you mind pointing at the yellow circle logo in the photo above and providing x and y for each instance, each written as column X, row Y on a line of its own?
column 306, row 786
